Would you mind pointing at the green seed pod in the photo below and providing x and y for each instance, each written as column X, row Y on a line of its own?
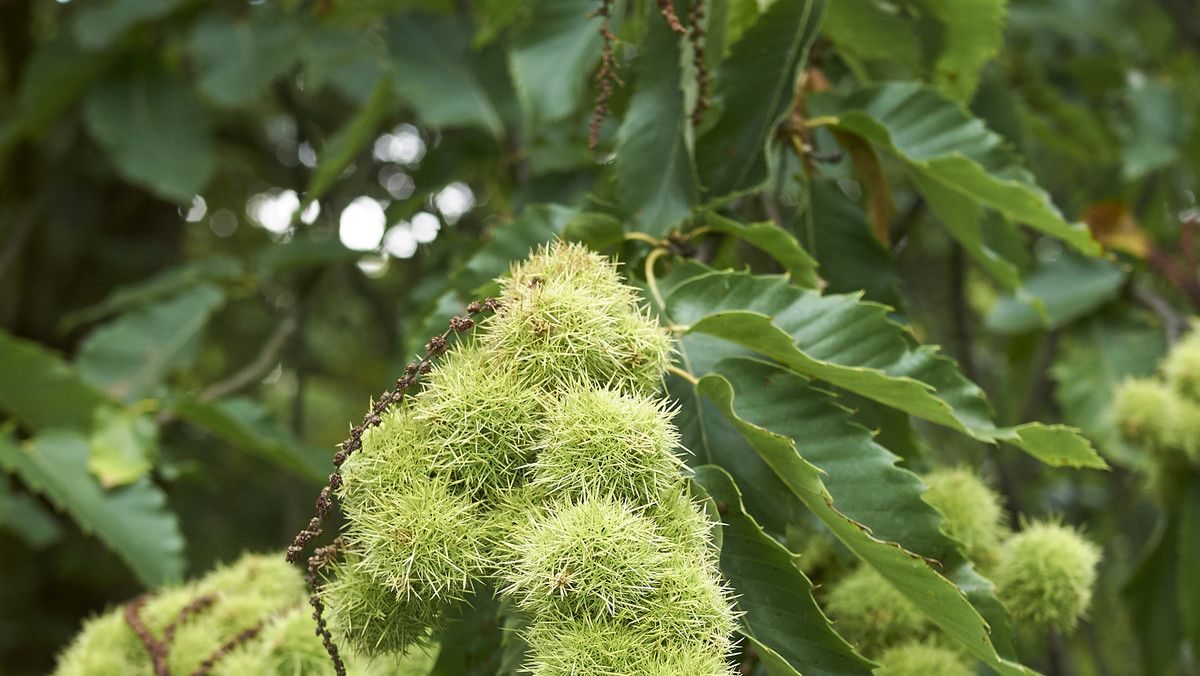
column 395, row 457
column 372, row 617
column 479, row 418
column 599, row 443
column 567, row 316
column 973, row 512
column 871, row 613
column 1046, row 573
column 1147, row 412
column 922, row 658
column 427, row 541
column 1181, row 368
column 613, row 648
column 257, row 591
column 596, row 558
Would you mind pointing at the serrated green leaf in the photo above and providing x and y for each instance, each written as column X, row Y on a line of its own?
column 133, row 354
column 219, row 269
column 1068, row 288
column 237, row 58
column 972, row 34
column 154, row 130
column 957, row 162
column 754, row 89
column 853, row 345
column 54, row 77
column 97, row 26
column 780, row 612
column 123, row 446
column 553, row 56
column 247, row 425
column 945, row 603
column 1093, row 358
column 869, row 34
column 773, row 240
column 347, row 143
column 42, row 390
column 436, row 73
column 654, row 166
column 133, row 520
column 511, row 242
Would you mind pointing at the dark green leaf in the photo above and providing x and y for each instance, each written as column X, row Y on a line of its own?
column 42, row 390
column 957, row 163
column 776, row 597
column 238, row 57
column 30, row 521
column 754, row 90
column 436, row 74
column 154, row 130
column 246, row 425
column 855, row 346
column 773, row 240
column 653, row 163
column 54, row 77
column 511, row 242
column 97, row 26
column 553, row 56
column 472, row 644
column 945, row 603
column 839, row 237
column 1152, row 596
column 133, row 520
column 597, row 230
column 1068, row 288
column 347, row 60
column 1189, row 561
column 133, row 354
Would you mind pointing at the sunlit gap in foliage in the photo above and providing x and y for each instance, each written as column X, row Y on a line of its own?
column 273, row 210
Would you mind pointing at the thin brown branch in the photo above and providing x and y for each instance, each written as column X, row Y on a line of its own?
column 672, row 19
column 267, row 357
column 193, row 608
column 1173, row 322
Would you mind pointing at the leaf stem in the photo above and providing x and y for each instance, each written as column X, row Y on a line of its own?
column 650, row 279
column 671, row 368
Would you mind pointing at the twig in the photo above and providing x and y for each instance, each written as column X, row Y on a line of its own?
column 264, row 362
column 1173, row 323
column 668, row 13
column 320, row 558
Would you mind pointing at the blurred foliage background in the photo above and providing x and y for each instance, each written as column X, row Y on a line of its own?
column 224, row 226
